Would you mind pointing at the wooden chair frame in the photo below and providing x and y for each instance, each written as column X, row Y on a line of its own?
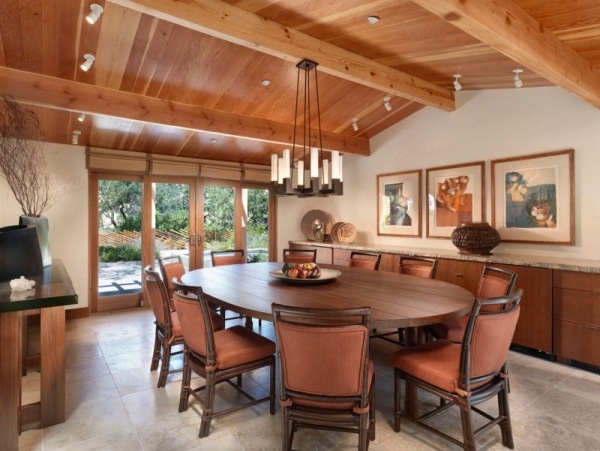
column 305, row 405
column 206, row 364
column 471, row 391
column 228, row 257
column 164, row 335
column 370, row 260
column 300, row 255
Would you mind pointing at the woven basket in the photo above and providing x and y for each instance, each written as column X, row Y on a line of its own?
column 475, row 238
column 343, row 232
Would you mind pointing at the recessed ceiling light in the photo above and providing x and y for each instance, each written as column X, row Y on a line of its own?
column 373, row 19
column 265, row 82
column 213, row 140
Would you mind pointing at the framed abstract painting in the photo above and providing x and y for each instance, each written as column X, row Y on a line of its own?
column 399, row 204
column 533, row 198
column 454, row 196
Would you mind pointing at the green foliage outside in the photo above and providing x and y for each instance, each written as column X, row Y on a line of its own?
column 120, row 211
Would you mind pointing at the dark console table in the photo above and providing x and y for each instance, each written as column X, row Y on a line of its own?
column 52, row 291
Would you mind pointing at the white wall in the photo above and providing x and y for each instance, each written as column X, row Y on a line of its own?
column 487, row 125
column 67, row 218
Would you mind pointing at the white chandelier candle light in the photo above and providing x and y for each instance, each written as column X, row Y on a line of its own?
column 303, row 171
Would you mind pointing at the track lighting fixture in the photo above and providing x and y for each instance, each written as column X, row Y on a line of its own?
column 81, row 117
column 75, row 139
column 95, row 12
column 89, row 60
column 387, row 104
column 517, row 79
column 456, row 83
column 355, row 124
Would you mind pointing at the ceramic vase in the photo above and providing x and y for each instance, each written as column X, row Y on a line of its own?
column 42, row 229
column 19, row 252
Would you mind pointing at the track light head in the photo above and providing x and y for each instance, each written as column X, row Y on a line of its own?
column 387, row 104
column 456, row 83
column 517, row 78
column 75, row 139
column 95, row 12
column 89, row 60
column 81, row 117
column 355, row 124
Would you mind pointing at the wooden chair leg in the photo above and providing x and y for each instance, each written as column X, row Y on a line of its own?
column 467, row 426
column 397, row 400
column 164, row 367
column 208, row 407
column 156, row 352
column 185, row 384
column 505, row 424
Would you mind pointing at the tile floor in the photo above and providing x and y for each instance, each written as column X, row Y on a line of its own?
column 113, row 403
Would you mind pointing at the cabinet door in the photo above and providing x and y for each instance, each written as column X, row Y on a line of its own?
column 341, row 257
column 459, row 272
column 534, row 329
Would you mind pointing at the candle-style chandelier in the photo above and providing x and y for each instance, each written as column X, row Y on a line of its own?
column 298, row 172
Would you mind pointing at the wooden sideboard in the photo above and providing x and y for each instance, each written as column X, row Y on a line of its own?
column 560, row 309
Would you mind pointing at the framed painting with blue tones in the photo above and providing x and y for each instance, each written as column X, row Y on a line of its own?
column 399, row 204
column 533, row 198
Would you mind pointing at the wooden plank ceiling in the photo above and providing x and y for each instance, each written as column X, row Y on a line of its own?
column 184, row 78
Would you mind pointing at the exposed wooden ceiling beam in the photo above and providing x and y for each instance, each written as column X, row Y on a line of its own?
column 61, row 94
column 504, row 26
column 233, row 24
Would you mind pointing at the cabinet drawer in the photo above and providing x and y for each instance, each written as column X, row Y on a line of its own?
column 577, row 341
column 581, row 307
column 576, row 280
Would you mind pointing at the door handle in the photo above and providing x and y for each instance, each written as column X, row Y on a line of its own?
column 192, row 239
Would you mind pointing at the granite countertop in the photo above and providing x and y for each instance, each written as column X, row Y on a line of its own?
column 567, row 264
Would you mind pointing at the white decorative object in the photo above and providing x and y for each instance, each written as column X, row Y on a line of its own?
column 21, row 284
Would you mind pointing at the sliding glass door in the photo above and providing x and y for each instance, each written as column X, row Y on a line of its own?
column 141, row 218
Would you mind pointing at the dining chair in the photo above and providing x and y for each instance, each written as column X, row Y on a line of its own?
column 418, row 266
column 327, row 379
column 171, row 266
column 218, row 356
column 465, row 375
column 167, row 331
column 494, row 282
column 423, row 267
column 367, row 260
column 227, row 257
column 300, row 255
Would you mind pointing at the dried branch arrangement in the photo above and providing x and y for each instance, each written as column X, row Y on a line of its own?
column 22, row 162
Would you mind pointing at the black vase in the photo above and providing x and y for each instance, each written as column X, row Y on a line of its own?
column 20, row 253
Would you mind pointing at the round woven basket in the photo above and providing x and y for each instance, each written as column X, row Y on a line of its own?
column 343, row 232
column 475, row 238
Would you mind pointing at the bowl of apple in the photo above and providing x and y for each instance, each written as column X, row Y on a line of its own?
column 305, row 273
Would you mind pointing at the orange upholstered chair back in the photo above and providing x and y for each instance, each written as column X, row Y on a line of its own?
column 171, row 267
column 229, row 257
column 195, row 320
column 300, row 255
column 156, row 294
column 418, row 266
column 365, row 260
column 495, row 282
column 488, row 337
column 323, row 352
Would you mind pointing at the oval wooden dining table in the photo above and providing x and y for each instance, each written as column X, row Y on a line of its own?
column 396, row 300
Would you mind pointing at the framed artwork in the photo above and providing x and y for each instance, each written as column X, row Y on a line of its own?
column 399, row 204
column 533, row 198
column 454, row 195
